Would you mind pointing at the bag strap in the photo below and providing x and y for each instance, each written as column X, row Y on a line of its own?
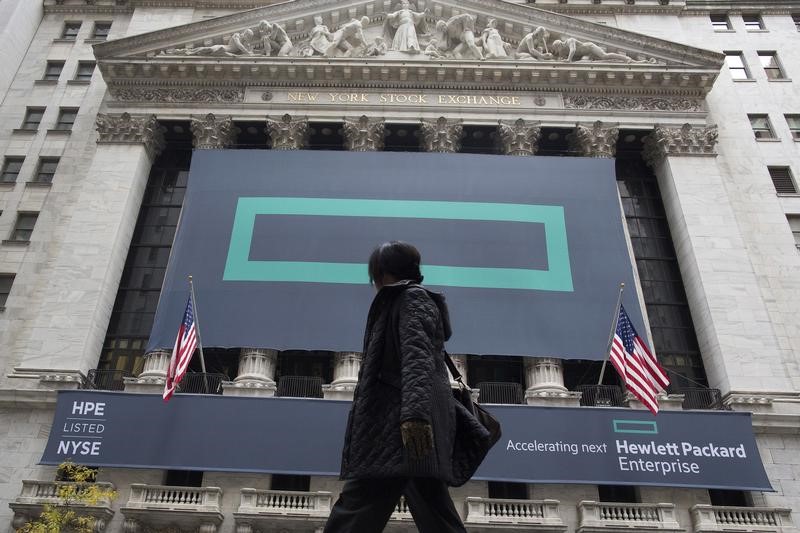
column 452, row 367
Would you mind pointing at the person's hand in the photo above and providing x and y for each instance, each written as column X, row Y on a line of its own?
column 417, row 438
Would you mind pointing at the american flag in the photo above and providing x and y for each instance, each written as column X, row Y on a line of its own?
column 639, row 368
column 185, row 344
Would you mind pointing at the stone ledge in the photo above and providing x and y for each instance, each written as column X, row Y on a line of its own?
column 45, row 82
column 26, row 131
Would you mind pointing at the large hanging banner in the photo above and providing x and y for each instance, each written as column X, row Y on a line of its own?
column 586, row 445
column 529, row 251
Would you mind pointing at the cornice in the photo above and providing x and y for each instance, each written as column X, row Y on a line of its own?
column 656, row 81
column 84, row 9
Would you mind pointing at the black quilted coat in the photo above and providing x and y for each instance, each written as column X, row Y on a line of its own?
column 403, row 376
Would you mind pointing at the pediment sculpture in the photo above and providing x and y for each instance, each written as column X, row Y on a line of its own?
column 408, row 32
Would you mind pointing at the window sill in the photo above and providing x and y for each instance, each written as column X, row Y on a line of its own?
column 39, row 184
column 79, row 82
column 7, row 185
column 12, row 242
column 94, row 41
column 725, row 31
column 760, row 30
column 26, row 131
column 773, row 140
column 61, row 40
column 45, row 82
column 56, row 131
column 788, row 194
column 781, row 80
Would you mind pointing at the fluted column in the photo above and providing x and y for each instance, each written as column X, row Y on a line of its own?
column 256, row 376
column 364, row 135
column 287, row 133
column 518, row 137
column 544, row 378
column 212, row 132
column 154, row 374
column 597, row 140
column 346, row 366
column 442, row 135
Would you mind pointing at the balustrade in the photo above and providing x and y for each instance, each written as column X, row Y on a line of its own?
column 509, row 511
column 709, row 518
column 596, row 516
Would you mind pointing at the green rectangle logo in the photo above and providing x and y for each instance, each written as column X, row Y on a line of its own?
column 641, row 427
column 557, row 277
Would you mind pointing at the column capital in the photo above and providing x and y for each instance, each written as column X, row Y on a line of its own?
column 686, row 140
column 597, row 140
column 287, row 133
column 441, row 135
column 363, row 134
column 124, row 128
column 519, row 137
column 213, row 132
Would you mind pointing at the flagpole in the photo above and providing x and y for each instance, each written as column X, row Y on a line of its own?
column 197, row 330
column 611, row 334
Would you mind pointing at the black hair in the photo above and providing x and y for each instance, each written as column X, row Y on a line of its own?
column 396, row 258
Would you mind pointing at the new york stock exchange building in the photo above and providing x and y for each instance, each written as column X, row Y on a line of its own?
column 539, row 154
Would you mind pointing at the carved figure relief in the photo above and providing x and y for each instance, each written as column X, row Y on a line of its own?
column 401, row 28
column 405, row 30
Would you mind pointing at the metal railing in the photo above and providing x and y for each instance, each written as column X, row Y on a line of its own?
column 200, row 383
column 299, row 387
column 499, row 392
column 107, row 379
column 601, row 396
column 701, row 398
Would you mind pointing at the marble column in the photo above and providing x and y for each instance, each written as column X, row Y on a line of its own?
column 544, row 379
column 256, row 376
column 716, row 261
column 154, row 374
column 346, row 366
column 518, row 137
column 287, row 133
column 597, row 140
column 82, row 274
column 441, row 135
column 213, row 133
column 364, row 135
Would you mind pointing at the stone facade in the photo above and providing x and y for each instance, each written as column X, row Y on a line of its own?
column 737, row 256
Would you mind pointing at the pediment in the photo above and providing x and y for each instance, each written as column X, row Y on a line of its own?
column 451, row 42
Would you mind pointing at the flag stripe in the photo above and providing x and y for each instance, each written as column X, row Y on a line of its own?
column 185, row 345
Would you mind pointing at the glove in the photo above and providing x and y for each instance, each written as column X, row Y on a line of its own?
column 417, row 438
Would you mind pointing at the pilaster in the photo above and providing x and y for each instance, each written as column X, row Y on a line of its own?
column 287, row 133
column 597, row 140
column 364, row 134
column 739, row 347
column 519, row 137
column 442, row 135
column 256, row 376
column 212, row 132
column 346, row 366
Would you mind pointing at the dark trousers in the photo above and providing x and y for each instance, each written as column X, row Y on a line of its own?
column 365, row 506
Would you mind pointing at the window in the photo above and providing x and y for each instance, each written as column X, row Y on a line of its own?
column 736, row 66
column 753, row 22
column 53, row 70
column 796, row 19
column 183, row 478
column 6, row 280
column 66, row 118
column 720, row 21
column 85, row 71
column 769, row 60
column 508, row 491
column 100, row 31
column 46, row 170
column 24, row 227
column 794, row 223
column 290, row 482
column 617, row 494
column 33, row 117
column 782, row 179
column 761, row 126
column 70, row 30
column 11, row 168
column 794, row 126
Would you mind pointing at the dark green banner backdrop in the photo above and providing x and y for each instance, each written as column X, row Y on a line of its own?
column 528, row 251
